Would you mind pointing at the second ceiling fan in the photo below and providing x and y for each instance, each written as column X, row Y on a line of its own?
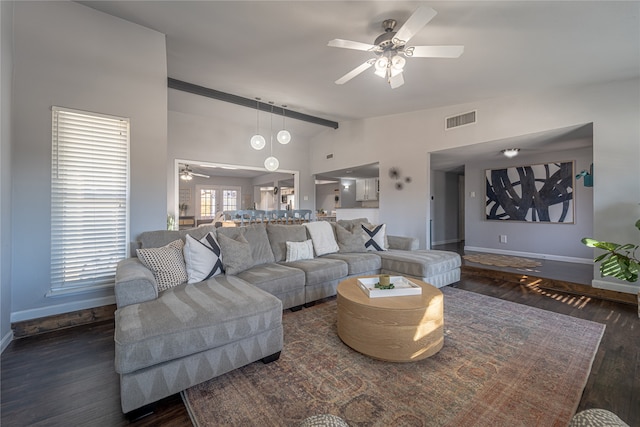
column 391, row 48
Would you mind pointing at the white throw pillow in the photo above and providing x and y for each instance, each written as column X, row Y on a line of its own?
column 299, row 250
column 166, row 264
column 375, row 237
column 202, row 257
column 324, row 241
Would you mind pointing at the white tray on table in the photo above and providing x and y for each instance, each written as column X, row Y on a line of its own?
column 402, row 287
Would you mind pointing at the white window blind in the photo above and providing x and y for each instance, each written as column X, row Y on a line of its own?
column 89, row 198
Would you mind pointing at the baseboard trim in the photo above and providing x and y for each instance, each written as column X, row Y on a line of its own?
column 61, row 321
column 618, row 287
column 52, row 310
column 445, row 242
column 6, row 340
column 530, row 255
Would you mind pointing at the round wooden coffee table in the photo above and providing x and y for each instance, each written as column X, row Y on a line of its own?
column 395, row 329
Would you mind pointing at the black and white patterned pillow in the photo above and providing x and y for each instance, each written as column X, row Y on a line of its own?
column 166, row 264
column 375, row 237
column 202, row 257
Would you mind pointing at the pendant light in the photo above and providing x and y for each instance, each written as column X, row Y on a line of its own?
column 271, row 163
column 257, row 141
column 284, row 137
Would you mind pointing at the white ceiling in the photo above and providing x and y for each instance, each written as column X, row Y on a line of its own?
column 277, row 50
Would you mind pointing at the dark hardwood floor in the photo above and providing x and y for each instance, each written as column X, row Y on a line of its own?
column 66, row 377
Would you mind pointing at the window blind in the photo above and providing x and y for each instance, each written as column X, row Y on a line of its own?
column 89, row 198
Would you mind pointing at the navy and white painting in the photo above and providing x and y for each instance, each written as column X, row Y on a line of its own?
column 534, row 193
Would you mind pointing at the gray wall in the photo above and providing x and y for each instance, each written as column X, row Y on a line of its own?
column 6, row 64
column 70, row 55
column 558, row 240
column 612, row 107
column 325, row 196
column 444, row 208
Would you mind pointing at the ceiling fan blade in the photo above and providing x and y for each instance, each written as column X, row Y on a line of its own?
column 437, row 51
column 396, row 81
column 351, row 74
column 415, row 23
column 348, row 44
column 199, row 174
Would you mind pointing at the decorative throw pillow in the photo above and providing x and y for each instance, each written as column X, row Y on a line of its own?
column 166, row 264
column 375, row 237
column 324, row 241
column 351, row 241
column 299, row 250
column 202, row 258
column 236, row 254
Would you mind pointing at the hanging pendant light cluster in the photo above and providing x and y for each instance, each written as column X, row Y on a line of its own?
column 258, row 142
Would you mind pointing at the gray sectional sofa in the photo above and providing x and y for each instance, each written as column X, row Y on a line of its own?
column 169, row 340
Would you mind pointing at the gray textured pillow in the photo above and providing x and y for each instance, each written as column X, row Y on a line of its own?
column 166, row 264
column 280, row 234
column 236, row 254
column 256, row 235
column 350, row 223
column 350, row 241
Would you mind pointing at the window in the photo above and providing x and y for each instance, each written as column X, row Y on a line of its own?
column 216, row 198
column 89, row 199
column 207, row 203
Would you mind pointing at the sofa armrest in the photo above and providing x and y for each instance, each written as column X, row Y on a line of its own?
column 403, row 243
column 134, row 283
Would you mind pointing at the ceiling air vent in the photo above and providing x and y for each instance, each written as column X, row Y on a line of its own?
column 460, row 120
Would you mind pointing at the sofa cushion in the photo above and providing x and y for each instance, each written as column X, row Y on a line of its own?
column 350, row 240
column 321, row 270
column 350, row 223
column 156, row 239
column 191, row 318
column 236, row 254
column 256, row 235
column 324, row 241
column 359, row 263
column 420, row 263
column 279, row 234
column 202, row 257
column 277, row 279
column 299, row 250
column 166, row 264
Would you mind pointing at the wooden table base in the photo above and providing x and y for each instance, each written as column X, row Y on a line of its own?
column 395, row 329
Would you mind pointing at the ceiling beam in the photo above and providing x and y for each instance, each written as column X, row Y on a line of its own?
column 249, row 103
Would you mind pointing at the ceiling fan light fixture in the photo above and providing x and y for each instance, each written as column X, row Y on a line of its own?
column 185, row 176
column 398, row 63
column 510, row 152
column 381, row 64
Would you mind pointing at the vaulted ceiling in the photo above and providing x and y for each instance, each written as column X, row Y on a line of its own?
column 278, row 50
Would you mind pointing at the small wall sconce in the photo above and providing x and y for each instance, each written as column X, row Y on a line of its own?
column 346, row 186
column 588, row 176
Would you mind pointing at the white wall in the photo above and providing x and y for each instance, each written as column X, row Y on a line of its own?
column 195, row 133
column 70, row 55
column 613, row 108
column 553, row 241
column 6, row 65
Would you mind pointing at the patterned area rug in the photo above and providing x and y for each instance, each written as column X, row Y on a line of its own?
column 502, row 260
column 502, row 364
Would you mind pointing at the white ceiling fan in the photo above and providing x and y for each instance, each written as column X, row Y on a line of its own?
column 187, row 174
column 391, row 48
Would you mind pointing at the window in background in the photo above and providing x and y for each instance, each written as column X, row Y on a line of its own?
column 89, row 199
column 207, row 203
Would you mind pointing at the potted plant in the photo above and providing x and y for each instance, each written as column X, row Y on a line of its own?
column 183, row 209
column 619, row 260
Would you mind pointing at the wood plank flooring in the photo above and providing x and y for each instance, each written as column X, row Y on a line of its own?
column 67, row 378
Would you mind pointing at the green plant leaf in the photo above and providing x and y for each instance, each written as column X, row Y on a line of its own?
column 638, row 224
column 601, row 257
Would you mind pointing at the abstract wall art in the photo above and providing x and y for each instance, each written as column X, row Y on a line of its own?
column 536, row 193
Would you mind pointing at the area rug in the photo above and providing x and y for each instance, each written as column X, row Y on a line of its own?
column 502, row 364
column 502, row 260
